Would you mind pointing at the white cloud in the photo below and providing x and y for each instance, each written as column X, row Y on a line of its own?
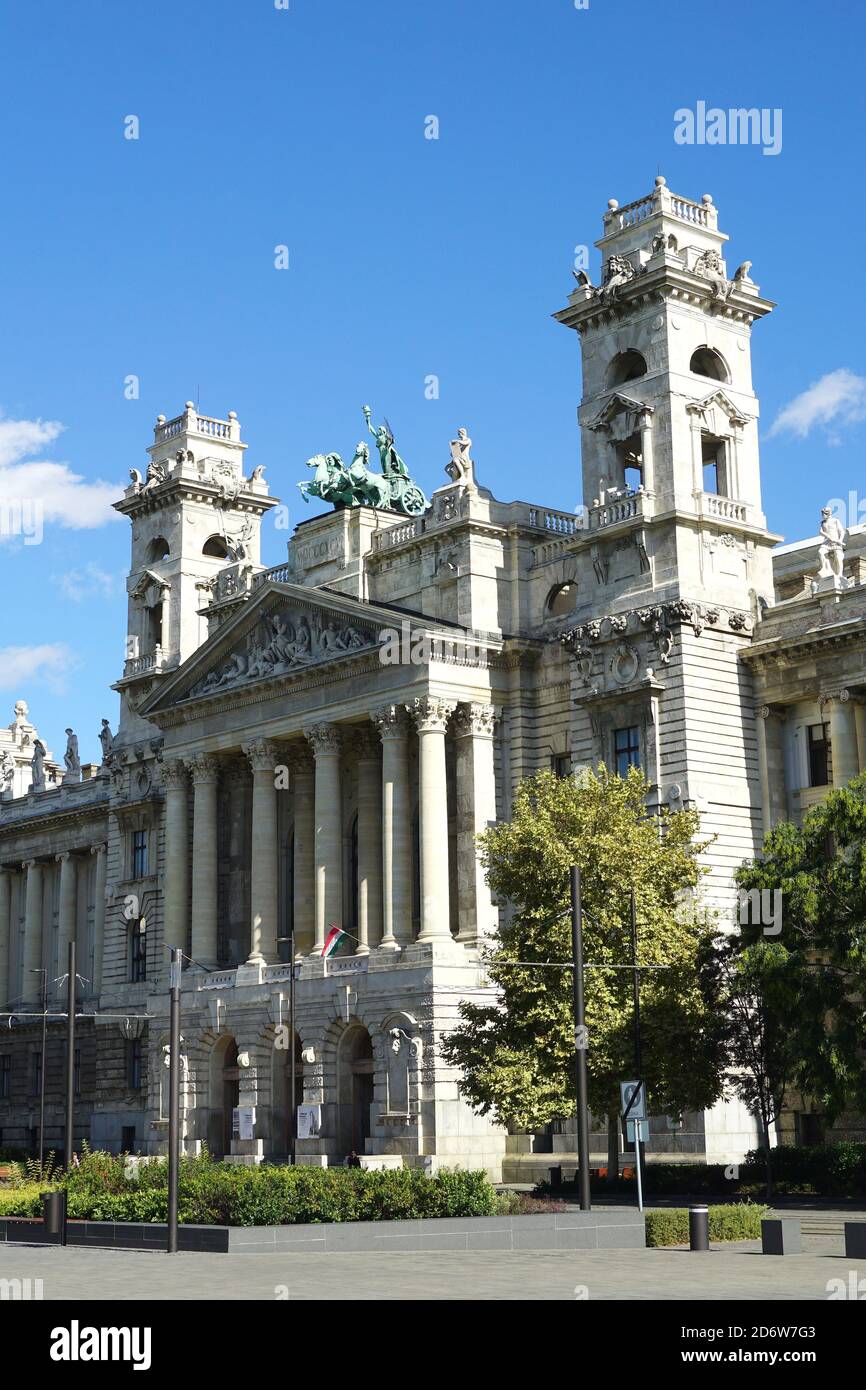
column 88, row 582
column 838, row 397
column 49, row 664
column 60, row 494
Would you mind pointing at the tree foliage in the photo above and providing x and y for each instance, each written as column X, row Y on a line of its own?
column 517, row 1054
column 811, row 976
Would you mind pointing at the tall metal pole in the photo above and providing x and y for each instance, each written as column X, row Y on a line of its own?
column 44, row 974
column 174, row 1096
column 293, row 1107
column 638, row 1065
column 580, row 1040
column 70, row 1061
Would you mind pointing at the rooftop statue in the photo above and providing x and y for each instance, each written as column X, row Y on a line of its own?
column 355, row 485
column 831, row 548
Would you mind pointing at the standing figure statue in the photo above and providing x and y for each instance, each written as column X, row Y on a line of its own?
column 831, row 549
column 71, row 758
column 392, row 464
column 7, row 774
column 38, row 766
column 461, row 468
column 106, row 738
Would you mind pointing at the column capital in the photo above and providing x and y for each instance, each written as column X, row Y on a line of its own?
column 29, row 864
column 475, row 719
column 323, row 738
column 263, row 754
column 391, row 721
column 63, row 857
column 430, row 714
column 99, row 849
column 763, row 711
column 204, row 769
column 173, row 773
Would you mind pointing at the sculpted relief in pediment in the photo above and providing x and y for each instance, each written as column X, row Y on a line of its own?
column 284, row 643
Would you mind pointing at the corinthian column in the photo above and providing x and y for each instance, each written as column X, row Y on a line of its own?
column 431, row 716
column 264, row 863
column 176, row 852
column 31, row 981
column 324, row 739
column 204, row 770
column 5, row 933
column 66, row 908
column 396, row 829
column 476, row 809
column 300, row 761
column 843, row 739
column 98, row 915
column 369, row 841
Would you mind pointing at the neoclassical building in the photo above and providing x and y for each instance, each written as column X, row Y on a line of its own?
column 319, row 743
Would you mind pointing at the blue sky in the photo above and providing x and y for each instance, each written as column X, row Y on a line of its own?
column 408, row 257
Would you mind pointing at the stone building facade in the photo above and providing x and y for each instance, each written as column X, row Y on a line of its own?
column 319, row 743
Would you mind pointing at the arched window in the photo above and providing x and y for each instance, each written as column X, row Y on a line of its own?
column 216, row 548
column 626, row 366
column 707, row 362
column 561, row 599
column 157, row 550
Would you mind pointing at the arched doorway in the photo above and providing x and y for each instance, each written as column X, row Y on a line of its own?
column 224, row 1096
column 355, row 1089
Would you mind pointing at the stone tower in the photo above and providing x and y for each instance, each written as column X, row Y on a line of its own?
column 193, row 515
column 673, row 564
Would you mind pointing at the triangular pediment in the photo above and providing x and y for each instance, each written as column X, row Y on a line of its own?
column 717, row 401
column 147, row 580
column 285, row 631
column 618, row 405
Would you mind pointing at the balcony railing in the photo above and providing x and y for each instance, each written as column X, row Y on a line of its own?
column 723, row 508
column 141, row 665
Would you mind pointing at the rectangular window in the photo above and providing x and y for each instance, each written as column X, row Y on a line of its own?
column 560, row 764
column 133, row 1064
column 37, row 1073
column 139, row 854
column 138, row 953
column 5, row 1077
column 819, row 755
column 626, row 749
column 127, row 1139
column 76, row 1072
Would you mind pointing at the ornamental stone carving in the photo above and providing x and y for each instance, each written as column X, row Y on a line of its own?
column 173, row 773
column 204, row 768
column 475, row 719
column 323, row 738
column 391, row 721
column 263, row 754
column 284, row 643
column 430, row 714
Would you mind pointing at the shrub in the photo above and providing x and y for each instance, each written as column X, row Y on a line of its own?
column 211, row 1193
column 737, row 1221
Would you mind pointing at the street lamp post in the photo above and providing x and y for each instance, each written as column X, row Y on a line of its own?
column 44, row 992
column 174, row 1096
column 580, row 1040
column 70, row 1061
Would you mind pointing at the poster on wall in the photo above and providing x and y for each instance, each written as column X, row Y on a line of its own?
column 309, row 1121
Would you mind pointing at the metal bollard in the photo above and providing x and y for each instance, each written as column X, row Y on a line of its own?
column 54, row 1213
column 699, row 1228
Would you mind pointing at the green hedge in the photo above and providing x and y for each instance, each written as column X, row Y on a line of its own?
column 211, row 1193
column 670, row 1225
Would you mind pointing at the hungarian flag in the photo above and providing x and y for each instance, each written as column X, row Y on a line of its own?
column 332, row 941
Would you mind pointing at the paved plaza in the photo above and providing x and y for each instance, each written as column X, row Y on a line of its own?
column 738, row 1271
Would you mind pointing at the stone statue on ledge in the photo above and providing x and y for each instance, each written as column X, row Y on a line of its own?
column 106, row 738
column 71, row 758
column 38, row 766
column 7, row 776
column 460, row 467
column 831, row 547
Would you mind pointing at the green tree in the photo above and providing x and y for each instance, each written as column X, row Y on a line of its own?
column 818, row 967
column 517, row 1053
